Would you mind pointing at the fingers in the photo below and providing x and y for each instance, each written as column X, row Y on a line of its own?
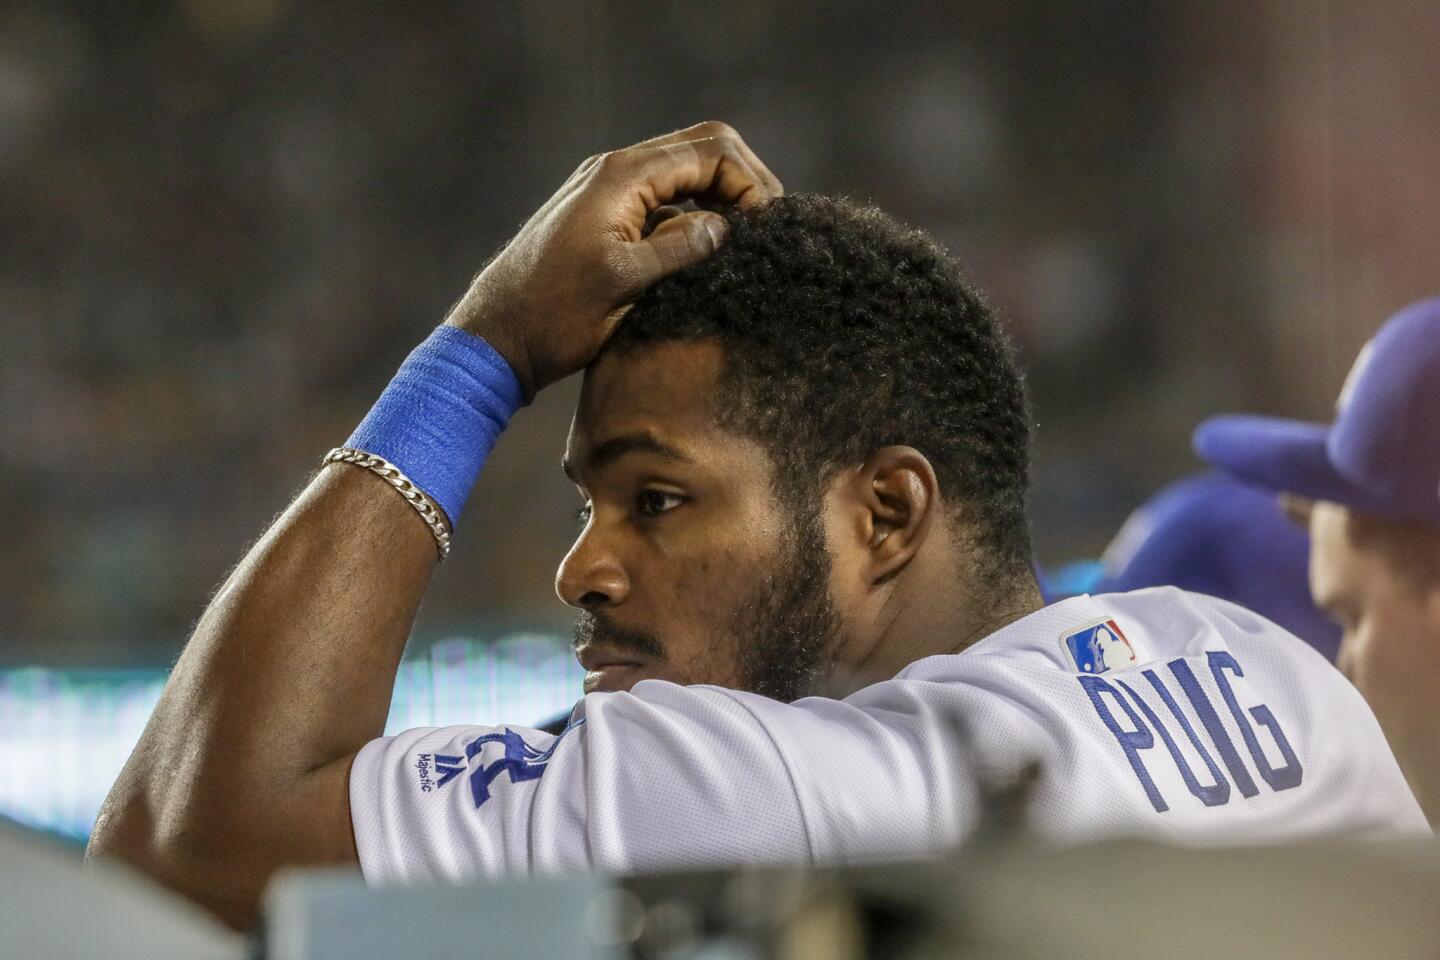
column 709, row 160
column 709, row 169
column 675, row 243
column 658, row 216
column 718, row 130
column 772, row 182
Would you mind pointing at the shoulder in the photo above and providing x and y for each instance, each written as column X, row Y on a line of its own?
column 1176, row 612
column 1280, row 666
column 1169, row 604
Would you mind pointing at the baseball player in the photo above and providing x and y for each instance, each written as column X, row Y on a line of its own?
column 1368, row 487
column 806, row 607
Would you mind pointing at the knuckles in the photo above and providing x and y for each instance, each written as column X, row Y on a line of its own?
column 698, row 238
column 718, row 129
column 611, row 162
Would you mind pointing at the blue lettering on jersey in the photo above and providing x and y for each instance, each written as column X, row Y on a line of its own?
column 1211, row 721
column 1132, row 741
column 1213, row 795
column 448, row 767
column 1139, row 733
column 520, row 760
column 1287, row 776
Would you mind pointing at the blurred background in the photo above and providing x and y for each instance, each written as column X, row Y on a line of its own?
column 223, row 224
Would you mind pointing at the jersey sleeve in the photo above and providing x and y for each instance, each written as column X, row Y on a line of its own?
column 665, row 777
column 673, row 778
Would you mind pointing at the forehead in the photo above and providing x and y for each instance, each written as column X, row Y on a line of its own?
column 666, row 391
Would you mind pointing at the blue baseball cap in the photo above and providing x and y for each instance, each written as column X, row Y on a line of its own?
column 1214, row 534
column 1382, row 454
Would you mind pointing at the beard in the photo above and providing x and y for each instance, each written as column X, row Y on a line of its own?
column 787, row 630
column 784, row 632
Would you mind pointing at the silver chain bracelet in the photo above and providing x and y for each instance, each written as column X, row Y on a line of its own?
column 433, row 516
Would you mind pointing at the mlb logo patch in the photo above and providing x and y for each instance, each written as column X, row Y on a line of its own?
column 1099, row 648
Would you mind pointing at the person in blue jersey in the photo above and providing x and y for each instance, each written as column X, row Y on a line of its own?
column 803, row 587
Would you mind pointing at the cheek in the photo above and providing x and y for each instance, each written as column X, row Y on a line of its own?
column 695, row 601
column 1394, row 660
column 709, row 568
column 720, row 559
column 701, row 582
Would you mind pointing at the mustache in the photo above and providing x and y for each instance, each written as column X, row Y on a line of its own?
column 593, row 629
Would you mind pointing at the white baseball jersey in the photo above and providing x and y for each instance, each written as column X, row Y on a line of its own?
column 1159, row 713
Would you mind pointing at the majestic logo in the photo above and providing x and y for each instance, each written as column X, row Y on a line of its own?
column 1099, row 648
column 517, row 758
column 427, row 765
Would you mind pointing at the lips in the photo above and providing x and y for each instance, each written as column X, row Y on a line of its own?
column 608, row 669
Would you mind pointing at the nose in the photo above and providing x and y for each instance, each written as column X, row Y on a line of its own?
column 591, row 575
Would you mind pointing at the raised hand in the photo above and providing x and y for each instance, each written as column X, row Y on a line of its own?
column 550, row 299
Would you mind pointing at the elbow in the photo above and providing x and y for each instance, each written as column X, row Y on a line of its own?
column 122, row 832
column 205, row 860
column 218, row 839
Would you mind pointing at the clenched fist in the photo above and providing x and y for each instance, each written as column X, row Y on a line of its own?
column 550, row 299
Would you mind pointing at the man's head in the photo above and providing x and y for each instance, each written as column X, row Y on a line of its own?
column 795, row 454
column 1380, row 580
column 1368, row 489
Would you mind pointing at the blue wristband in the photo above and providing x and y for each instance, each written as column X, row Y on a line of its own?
column 441, row 415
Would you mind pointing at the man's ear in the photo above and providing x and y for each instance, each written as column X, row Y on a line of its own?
column 896, row 498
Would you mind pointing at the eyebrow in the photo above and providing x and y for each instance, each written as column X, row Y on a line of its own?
column 606, row 453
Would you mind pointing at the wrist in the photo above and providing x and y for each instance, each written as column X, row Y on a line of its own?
column 481, row 314
column 441, row 414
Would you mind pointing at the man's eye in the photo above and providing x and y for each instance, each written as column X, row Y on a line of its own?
column 583, row 514
column 652, row 503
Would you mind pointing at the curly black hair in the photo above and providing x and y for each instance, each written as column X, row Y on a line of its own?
column 845, row 331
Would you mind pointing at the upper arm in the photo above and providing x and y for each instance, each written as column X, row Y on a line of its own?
column 671, row 778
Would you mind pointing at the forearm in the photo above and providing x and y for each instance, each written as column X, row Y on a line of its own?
column 292, row 664
column 289, row 672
